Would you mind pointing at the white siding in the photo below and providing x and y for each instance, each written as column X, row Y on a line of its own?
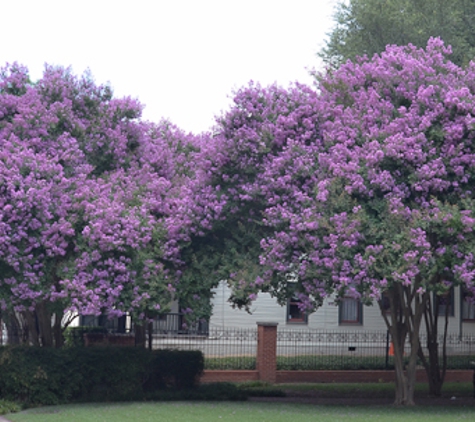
column 266, row 309
column 263, row 309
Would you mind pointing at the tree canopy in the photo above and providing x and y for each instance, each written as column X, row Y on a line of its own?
column 366, row 27
column 85, row 191
column 363, row 187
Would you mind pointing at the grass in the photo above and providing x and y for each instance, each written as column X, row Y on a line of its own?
column 238, row 411
column 262, row 411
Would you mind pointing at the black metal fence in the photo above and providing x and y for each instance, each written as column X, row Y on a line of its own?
column 235, row 348
column 353, row 350
column 460, row 350
column 318, row 350
column 176, row 323
column 223, row 348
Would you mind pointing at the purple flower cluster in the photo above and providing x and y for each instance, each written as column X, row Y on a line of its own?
column 85, row 193
column 359, row 184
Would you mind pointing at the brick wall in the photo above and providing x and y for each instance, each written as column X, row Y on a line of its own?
column 266, row 361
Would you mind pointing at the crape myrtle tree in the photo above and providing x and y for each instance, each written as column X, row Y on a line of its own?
column 389, row 212
column 265, row 141
column 81, row 210
column 175, row 158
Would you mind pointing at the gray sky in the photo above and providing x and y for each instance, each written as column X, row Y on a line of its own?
column 181, row 58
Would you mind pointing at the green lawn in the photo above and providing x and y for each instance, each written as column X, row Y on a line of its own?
column 238, row 411
column 259, row 411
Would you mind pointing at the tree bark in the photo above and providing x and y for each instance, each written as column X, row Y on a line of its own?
column 30, row 328
column 44, row 320
column 432, row 365
column 406, row 311
column 15, row 330
column 58, row 330
column 140, row 335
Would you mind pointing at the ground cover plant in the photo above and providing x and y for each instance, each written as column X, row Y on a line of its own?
column 325, row 362
column 247, row 411
column 230, row 362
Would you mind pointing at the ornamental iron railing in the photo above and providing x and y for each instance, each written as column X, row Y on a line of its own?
column 235, row 348
column 318, row 349
column 223, row 348
column 297, row 349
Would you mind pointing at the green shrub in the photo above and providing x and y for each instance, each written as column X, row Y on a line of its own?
column 51, row 376
column 8, row 407
column 110, row 373
column 36, row 375
column 325, row 362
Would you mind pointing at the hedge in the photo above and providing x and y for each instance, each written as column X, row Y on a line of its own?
column 32, row 375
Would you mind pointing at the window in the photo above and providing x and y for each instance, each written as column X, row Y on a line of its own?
column 446, row 301
column 468, row 306
column 350, row 311
column 294, row 314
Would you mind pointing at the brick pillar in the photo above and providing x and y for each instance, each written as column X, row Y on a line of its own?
column 266, row 363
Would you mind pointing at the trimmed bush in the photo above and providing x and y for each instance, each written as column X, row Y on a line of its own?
column 51, row 376
column 37, row 375
column 174, row 368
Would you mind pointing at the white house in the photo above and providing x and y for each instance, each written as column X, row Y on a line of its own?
column 349, row 315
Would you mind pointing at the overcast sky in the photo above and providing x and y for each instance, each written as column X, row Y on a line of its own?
column 181, row 59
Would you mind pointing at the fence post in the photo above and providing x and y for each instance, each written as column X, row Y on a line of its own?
column 386, row 364
column 266, row 362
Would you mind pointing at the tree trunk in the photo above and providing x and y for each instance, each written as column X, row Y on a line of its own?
column 400, row 376
column 150, row 335
column 140, row 335
column 404, row 377
column 15, row 330
column 435, row 372
column 406, row 311
column 412, row 366
column 58, row 330
column 44, row 320
column 31, row 328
